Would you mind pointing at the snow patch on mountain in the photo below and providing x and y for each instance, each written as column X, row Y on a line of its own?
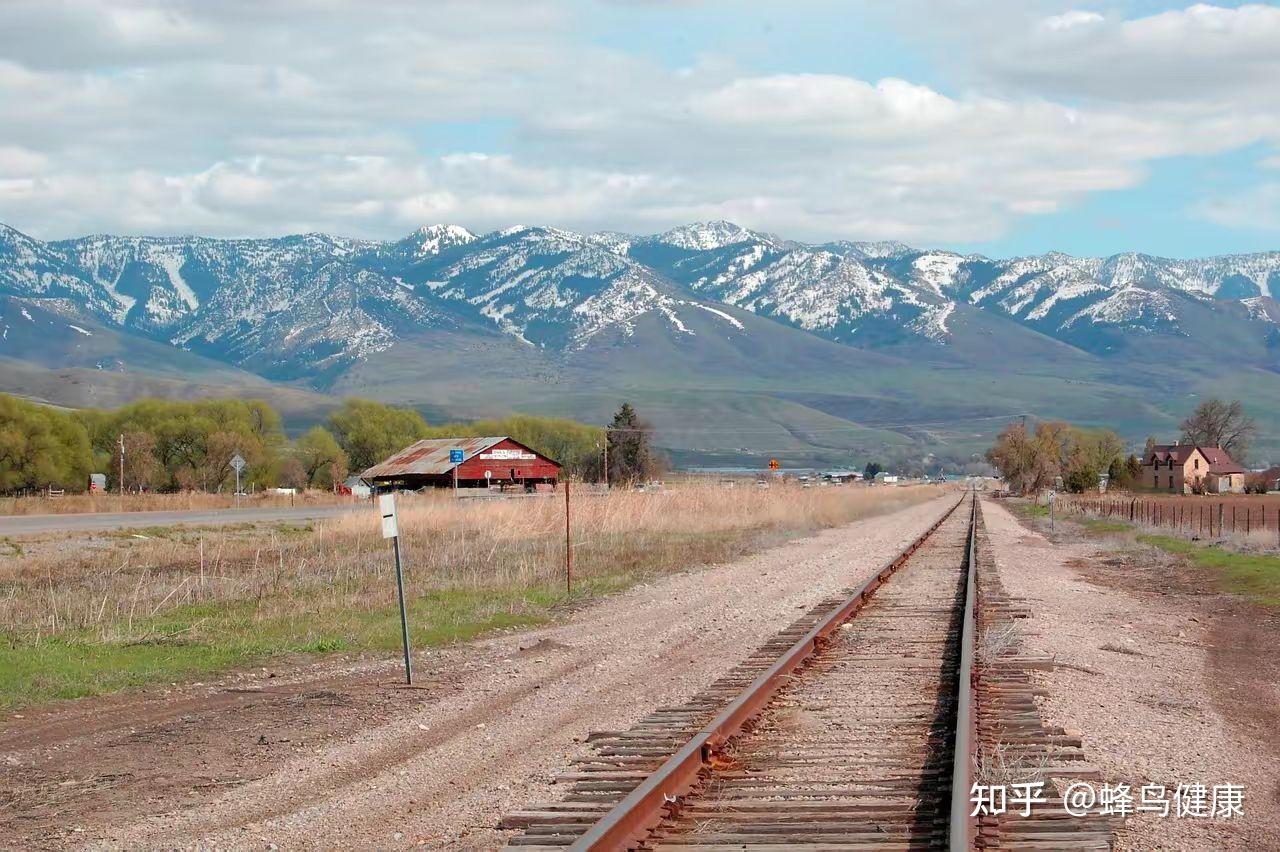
column 1128, row 307
column 433, row 239
column 937, row 270
column 703, row 236
column 729, row 318
column 172, row 264
column 619, row 244
column 932, row 322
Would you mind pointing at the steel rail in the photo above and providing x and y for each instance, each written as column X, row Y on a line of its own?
column 631, row 820
column 962, row 831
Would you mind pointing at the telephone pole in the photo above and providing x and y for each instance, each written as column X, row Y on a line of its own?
column 122, row 469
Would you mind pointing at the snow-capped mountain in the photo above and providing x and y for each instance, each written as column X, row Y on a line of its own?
column 310, row 305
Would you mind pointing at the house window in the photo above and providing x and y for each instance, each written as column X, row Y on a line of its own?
column 1197, row 464
column 1170, row 482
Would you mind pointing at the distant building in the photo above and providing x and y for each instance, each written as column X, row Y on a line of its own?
column 1269, row 479
column 486, row 462
column 841, row 476
column 354, row 486
column 1184, row 468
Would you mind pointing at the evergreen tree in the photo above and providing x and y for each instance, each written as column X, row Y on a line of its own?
column 631, row 457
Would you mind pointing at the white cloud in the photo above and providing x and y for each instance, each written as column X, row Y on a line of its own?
column 1202, row 53
column 16, row 161
column 241, row 118
column 1075, row 19
column 1256, row 209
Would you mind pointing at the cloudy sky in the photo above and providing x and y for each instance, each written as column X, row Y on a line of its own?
column 1000, row 126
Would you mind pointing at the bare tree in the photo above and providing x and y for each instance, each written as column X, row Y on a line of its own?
column 1029, row 462
column 1215, row 423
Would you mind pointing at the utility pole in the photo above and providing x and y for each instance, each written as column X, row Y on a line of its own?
column 606, row 458
column 122, row 471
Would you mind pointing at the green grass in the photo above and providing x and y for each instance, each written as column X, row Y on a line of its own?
column 1094, row 525
column 201, row 639
column 1256, row 576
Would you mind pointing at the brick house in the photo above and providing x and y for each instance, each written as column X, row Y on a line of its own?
column 1179, row 468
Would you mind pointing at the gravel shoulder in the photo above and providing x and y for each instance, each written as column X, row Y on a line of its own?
column 356, row 761
column 1169, row 681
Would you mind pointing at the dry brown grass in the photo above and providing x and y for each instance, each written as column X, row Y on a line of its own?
column 112, row 583
column 187, row 500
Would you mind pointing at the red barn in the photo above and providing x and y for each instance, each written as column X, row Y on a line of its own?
column 485, row 461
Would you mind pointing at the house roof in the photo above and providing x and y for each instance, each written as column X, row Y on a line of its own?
column 1178, row 452
column 430, row 457
column 1220, row 460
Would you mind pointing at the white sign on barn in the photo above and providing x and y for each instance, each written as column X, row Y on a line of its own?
column 508, row 455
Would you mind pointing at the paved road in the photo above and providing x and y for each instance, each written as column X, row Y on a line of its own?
column 28, row 524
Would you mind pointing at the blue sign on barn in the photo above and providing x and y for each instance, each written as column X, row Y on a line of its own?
column 455, row 456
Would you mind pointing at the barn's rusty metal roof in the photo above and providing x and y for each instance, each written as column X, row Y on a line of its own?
column 429, row 457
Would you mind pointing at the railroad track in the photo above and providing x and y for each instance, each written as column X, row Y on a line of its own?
column 857, row 727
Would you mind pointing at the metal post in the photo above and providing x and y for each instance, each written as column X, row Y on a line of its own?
column 568, row 545
column 455, row 481
column 606, row 458
column 122, row 471
column 404, row 615
column 237, row 488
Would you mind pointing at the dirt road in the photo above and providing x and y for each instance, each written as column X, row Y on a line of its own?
column 33, row 524
column 338, row 754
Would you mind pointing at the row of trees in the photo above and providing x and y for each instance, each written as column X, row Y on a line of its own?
column 170, row 446
column 1032, row 460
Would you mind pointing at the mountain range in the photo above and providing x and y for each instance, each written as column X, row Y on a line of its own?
column 738, row 344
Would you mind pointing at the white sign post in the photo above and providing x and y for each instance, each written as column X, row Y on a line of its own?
column 237, row 461
column 391, row 530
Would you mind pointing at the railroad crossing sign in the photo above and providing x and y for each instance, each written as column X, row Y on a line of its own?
column 455, row 456
column 237, row 462
column 773, row 464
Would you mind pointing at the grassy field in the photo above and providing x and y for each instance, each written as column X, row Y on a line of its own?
column 117, row 610
column 1254, row 575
